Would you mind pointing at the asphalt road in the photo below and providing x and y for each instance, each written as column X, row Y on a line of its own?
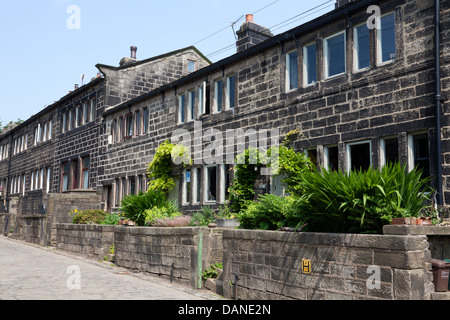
column 29, row 272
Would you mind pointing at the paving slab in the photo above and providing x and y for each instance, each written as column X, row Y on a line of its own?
column 29, row 272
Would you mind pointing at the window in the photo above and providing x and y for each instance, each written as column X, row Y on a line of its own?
column 79, row 119
column 186, row 195
column 121, row 131
column 24, row 182
column 181, row 109
column 64, row 122
column 41, row 179
column 117, row 192
column 197, row 185
column 331, row 158
column 419, row 153
column 93, row 107
column 231, row 92
column 191, row 105
column 386, row 39
column 114, row 130
column 291, row 71
column 86, row 163
column 335, row 55
column 138, row 122
column 49, row 172
column 191, row 66
column 71, row 120
column 362, row 47
column 359, row 155
column 310, row 64
column 85, row 112
column 128, row 126
column 389, row 150
column 145, row 121
column 218, row 95
column 204, row 103
column 312, row 155
column 211, row 184
column 132, row 185
column 32, row 181
column 74, row 174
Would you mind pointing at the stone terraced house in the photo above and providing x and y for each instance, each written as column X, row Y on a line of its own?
column 361, row 88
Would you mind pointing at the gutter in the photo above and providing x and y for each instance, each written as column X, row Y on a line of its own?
column 439, row 98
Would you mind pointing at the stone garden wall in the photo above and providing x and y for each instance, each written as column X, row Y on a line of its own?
column 171, row 253
column 265, row 264
column 268, row 265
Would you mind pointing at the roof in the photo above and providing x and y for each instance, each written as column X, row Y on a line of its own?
column 139, row 62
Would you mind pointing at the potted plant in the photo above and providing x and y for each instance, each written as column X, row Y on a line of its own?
column 225, row 218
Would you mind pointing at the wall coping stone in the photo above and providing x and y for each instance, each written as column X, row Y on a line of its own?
column 416, row 230
column 390, row 242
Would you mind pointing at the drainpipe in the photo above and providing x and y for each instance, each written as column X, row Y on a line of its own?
column 439, row 99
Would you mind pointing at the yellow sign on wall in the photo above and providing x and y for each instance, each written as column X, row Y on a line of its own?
column 306, row 266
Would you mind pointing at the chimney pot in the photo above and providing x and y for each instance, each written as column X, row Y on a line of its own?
column 249, row 18
column 133, row 52
column 76, row 86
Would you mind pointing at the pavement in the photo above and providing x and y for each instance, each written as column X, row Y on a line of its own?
column 29, row 272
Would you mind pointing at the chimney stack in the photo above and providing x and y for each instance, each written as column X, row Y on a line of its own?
column 251, row 34
column 133, row 52
column 129, row 61
column 341, row 3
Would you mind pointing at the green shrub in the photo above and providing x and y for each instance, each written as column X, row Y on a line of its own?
column 89, row 217
column 135, row 206
column 270, row 212
column 203, row 218
column 157, row 213
column 111, row 219
column 361, row 201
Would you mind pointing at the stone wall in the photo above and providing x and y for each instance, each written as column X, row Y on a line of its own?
column 171, row 253
column 40, row 228
column 269, row 266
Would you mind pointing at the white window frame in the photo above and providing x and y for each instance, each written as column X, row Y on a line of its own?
column 191, row 106
column 356, row 49
column 379, row 50
column 184, row 195
column 306, row 63
column 216, row 96
column 182, row 97
column 383, row 149
column 202, row 99
column 325, row 55
column 288, row 73
column 411, row 157
column 195, row 172
column 348, row 152
column 228, row 92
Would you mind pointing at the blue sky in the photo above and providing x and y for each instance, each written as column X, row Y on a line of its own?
column 42, row 58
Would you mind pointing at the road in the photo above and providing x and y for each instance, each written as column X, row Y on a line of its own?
column 29, row 272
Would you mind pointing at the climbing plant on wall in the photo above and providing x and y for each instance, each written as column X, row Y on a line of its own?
column 160, row 171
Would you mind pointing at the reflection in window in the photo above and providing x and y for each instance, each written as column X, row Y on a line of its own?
column 310, row 64
column 291, row 70
column 335, row 55
column 359, row 156
column 387, row 38
column 362, row 47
